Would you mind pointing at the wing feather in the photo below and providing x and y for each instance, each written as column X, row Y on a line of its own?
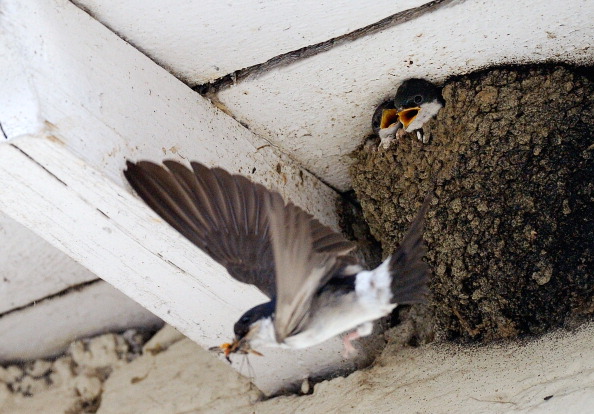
column 218, row 212
column 410, row 274
column 305, row 254
column 247, row 228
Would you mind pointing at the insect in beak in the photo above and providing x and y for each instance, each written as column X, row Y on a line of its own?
column 237, row 346
column 229, row 348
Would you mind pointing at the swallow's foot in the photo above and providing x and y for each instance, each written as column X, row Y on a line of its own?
column 361, row 331
column 349, row 349
column 422, row 137
column 385, row 143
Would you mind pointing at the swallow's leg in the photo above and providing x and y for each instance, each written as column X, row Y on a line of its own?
column 422, row 137
column 361, row 331
column 349, row 349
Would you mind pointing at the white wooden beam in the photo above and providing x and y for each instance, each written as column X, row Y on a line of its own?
column 31, row 269
column 79, row 102
column 200, row 41
column 49, row 327
column 47, row 299
column 322, row 123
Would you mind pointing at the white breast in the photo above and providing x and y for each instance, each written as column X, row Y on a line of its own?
column 428, row 111
column 369, row 301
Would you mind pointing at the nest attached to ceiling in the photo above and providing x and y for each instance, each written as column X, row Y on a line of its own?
column 511, row 230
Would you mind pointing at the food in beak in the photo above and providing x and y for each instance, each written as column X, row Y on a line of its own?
column 239, row 347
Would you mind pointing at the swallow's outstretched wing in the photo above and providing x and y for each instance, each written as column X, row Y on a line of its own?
column 227, row 216
column 221, row 214
column 306, row 255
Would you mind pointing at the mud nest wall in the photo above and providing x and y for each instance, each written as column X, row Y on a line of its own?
column 511, row 229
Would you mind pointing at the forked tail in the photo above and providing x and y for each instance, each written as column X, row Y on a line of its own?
column 410, row 274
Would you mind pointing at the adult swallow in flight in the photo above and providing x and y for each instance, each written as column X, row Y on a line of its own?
column 317, row 288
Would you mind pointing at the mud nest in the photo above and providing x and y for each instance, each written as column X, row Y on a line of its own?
column 511, row 229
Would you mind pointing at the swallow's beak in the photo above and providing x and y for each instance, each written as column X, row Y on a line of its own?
column 406, row 116
column 236, row 346
column 389, row 117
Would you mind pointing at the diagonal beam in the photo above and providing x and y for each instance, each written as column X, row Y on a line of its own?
column 78, row 101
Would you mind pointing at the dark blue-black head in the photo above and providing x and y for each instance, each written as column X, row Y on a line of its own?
column 416, row 92
column 417, row 101
column 243, row 324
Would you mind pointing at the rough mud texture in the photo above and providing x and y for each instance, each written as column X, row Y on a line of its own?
column 511, row 229
column 551, row 374
column 71, row 384
column 113, row 374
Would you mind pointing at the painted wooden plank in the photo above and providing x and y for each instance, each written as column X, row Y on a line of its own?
column 319, row 109
column 115, row 104
column 31, row 268
column 200, row 41
column 49, row 328
column 96, row 102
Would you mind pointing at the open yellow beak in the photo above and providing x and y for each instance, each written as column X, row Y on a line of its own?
column 407, row 115
column 389, row 117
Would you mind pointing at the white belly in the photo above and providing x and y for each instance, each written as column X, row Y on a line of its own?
column 334, row 322
column 370, row 301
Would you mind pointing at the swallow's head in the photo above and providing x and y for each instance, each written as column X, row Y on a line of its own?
column 253, row 328
column 417, row 101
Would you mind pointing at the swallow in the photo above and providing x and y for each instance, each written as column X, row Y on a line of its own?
column 317, row 287
column 385, row 122
column 416, row 102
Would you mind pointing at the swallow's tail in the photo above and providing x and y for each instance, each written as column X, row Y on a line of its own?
column 410, row 274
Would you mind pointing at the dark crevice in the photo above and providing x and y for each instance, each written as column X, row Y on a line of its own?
column 103, row 213
column 312, row 50
column 75, row 288
column 320, row 179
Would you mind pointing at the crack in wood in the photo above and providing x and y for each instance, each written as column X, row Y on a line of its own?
column 70, row 289
column 35, row 161
column 288, row 58
column 174, row 265
column 102, row 213
column 3, row 132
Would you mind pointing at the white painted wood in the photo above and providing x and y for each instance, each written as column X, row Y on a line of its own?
column 319, row 109
column 31, row 268
column 98, row 101
column 200, row 41
column 114, row 234
column 116, row 104
column 53, row 324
